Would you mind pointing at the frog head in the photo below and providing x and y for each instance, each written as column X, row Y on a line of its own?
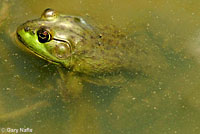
column 55, row 37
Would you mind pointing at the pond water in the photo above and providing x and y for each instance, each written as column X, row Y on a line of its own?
column 165, row 102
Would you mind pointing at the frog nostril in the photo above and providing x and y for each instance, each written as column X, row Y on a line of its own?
column 26, row 29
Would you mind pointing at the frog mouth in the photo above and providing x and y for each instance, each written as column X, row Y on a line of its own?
column 30, row 49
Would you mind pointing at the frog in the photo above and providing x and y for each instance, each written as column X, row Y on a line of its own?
column 84, row 52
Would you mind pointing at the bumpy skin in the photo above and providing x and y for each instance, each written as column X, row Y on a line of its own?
column 85, row 50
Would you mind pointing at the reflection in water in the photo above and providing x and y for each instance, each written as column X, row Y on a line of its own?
column 163, row 98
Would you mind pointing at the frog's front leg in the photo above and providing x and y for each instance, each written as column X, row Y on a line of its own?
column 70, row 85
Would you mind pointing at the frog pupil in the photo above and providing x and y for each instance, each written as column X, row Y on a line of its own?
column 43, row 35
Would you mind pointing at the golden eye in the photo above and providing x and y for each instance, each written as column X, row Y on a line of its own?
column 43, row 35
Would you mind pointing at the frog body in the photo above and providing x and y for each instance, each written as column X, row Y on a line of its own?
column 72, row 43
column 87, row 52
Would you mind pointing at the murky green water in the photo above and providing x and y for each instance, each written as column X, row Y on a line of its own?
column 167, row 102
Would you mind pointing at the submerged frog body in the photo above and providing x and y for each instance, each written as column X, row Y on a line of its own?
column 83, row 49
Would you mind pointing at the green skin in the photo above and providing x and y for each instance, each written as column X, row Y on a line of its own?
column 85, row 50
column 75, row 45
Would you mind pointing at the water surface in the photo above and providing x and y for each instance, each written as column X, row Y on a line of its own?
column 167, row 102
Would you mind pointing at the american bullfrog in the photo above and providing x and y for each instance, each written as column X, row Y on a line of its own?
column 85, row 52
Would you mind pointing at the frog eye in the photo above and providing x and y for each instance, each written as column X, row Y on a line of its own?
column 43, row 35
column 49, row 14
